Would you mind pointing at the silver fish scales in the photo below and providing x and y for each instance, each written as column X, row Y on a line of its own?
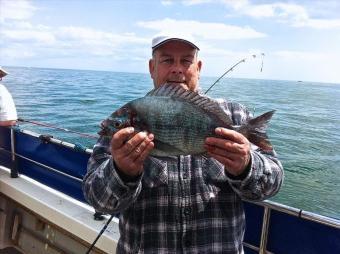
column 181, row 120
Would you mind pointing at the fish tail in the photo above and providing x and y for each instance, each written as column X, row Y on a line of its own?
column 255, row 131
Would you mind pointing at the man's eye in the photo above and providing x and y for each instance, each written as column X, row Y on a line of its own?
column 187, row 61
column 166, row 60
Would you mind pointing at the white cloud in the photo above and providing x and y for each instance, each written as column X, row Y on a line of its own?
column 195, row 2
column 21, row 39
column 306, row 65
column 206, row 31
column 166, row 2
column 279, row 10
column 66, row 41
column 294, row 14
column 16, row 10
column 16, row 52
column 319, row 23
column 284, row 65
column 305, row 55
column 35, row 36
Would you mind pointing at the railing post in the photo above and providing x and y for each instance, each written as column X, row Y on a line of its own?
column 264, row 233
column 14, row 164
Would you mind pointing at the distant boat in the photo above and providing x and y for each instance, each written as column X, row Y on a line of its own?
column 299, row 80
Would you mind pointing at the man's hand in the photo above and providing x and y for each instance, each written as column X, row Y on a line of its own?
column 232, row 150
column 129, row 150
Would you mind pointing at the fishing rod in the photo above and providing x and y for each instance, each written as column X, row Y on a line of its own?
column 231, row 69
column 100, row 233
column 57, row 128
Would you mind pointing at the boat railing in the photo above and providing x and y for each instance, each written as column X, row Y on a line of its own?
column 262, row 217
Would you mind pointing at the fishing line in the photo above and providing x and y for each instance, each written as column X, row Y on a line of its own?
column 262, row 56
column 57, row 128
column 231, row 69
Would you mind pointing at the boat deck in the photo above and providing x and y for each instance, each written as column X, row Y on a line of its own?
column 58, row 214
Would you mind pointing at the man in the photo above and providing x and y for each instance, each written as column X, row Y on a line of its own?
column 8, row 112
column 184, row 204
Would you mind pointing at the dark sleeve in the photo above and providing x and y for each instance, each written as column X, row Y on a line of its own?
column 264, row 175
column 103, row 186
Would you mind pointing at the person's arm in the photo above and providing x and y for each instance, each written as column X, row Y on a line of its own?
column 103, row 186
column 261, row 179
column 113, row 182
column 8, row 112
column 253, row 173
column 8, row 123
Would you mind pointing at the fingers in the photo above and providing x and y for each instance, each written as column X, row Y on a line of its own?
column 230, row 135
column 230, row 141
column 145, row 152
column 228, row 163
column 131, row 146
column 232, row 149
column 220, row 145
column 139, row 148
column 120, row 137
column 129, row 150
column 222, row 152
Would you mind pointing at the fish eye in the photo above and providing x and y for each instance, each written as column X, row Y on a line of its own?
column 117, row 124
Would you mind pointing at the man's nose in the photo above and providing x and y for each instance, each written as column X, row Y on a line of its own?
column 177, row 68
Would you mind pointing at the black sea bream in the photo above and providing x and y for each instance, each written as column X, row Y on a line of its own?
column 181, row 120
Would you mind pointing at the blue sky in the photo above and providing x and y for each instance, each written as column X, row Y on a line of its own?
column 300, row 39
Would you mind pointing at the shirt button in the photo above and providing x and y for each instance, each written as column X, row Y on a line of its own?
column 187, row 211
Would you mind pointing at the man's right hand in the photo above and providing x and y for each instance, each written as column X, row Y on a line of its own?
column 130, row 149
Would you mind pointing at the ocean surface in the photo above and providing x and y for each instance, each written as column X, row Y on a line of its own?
column 304, row 130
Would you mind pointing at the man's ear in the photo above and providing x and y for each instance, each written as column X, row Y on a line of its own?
column 151, row 67
column 199, row 66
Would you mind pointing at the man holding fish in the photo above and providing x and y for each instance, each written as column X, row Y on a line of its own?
column 176, row 164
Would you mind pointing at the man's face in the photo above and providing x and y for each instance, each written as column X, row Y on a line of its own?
column 175, row 62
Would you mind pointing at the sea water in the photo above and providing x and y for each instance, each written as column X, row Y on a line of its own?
column 304, row 130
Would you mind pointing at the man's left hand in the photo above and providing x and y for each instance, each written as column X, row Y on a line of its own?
column 232, row 150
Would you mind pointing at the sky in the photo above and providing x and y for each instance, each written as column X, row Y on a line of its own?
column 300, row 40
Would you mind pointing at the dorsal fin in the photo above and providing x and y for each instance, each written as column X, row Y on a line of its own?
column 203, row 102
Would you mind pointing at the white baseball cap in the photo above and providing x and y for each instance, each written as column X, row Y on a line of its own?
column 161, row 39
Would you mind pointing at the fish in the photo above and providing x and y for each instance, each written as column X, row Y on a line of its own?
column 181, row 120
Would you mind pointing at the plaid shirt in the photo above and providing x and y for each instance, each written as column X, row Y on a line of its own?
column 183, row 204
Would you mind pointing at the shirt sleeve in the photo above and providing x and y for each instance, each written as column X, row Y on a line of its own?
column 265, row 175
column 102, row 186
column 8, row 111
